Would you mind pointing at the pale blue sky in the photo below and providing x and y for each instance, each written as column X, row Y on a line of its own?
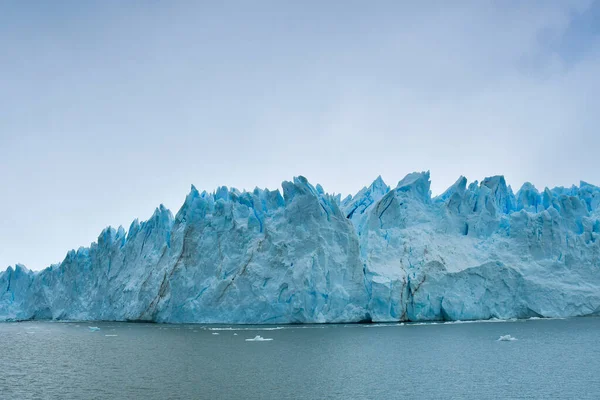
column 110, row 108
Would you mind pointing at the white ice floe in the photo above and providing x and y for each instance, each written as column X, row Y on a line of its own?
column 275, row 328
column 258, row 338
column 480, row 321
column 94, row 328
column 110, row 335
column 506, row 338
column 215, row 333
column 384, row 325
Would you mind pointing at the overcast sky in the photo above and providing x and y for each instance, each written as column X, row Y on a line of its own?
column 108, row 109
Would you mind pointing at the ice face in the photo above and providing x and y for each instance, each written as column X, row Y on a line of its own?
column 477, row 251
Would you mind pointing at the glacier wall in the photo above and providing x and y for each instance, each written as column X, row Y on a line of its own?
column 477, row 251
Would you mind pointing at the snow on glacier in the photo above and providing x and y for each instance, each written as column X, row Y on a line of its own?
column 477, row 251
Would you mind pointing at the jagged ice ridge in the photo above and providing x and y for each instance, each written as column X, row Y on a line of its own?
column 477, row 251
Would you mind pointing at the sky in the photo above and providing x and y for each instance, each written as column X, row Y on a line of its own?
column 110, row 108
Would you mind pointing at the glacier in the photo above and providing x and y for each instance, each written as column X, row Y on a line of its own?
column 300, row 255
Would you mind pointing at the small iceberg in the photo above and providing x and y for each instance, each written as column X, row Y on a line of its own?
column 229, row 328
column 506, row 338
column 258, row 338
column 93, row 328
column 215, row 333
column 110, row 335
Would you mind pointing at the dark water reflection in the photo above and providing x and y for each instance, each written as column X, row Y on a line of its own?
column 550, row 359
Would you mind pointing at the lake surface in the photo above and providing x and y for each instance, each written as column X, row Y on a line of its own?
column 66, row 360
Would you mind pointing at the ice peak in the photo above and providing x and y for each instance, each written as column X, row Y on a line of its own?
column 528, row 198
column 222, row 193
column 416, row 183
column 161, row 212
column 21, row 268
column 107, row 236
column 494, row 182
column 379, row 186
column 357, row 205
column 379, row 183
column 460, row 186
column 503, row 195
column 528, row 186
column 193, row 194
column 299, row 186
column 584, row 184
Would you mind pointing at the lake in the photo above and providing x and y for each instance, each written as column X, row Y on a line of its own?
column 67, row 360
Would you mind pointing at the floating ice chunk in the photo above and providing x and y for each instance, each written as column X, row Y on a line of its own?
column 215, row 333
column 235, row 334
column 93, row 328
column 506, row 338
column 111, row 335
column 258, row 338
column 383, row 325
column 275, row 328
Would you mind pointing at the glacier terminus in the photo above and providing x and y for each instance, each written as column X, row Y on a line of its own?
column 477, row 251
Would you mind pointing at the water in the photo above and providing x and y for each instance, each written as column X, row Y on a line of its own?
column 550, row 359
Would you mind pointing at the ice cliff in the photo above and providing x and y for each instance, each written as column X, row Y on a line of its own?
column 477, row 251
